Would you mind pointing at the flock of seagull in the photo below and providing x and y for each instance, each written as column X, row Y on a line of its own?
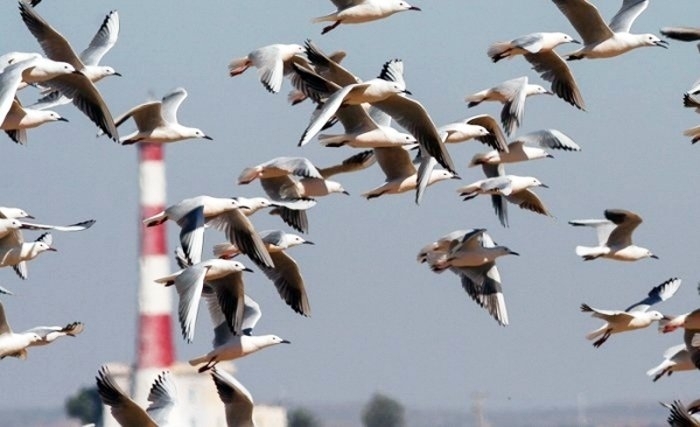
column 411, row 158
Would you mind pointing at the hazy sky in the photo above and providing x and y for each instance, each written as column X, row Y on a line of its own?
column 381, row 321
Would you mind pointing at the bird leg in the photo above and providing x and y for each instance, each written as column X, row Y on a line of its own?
column 330, row 27
column 602, row 339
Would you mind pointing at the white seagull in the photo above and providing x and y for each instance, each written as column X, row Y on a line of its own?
column 636, row 316
column 160, row 412
column 530, row 146
column 77, row 86
column 360, row 11
column 482, row 127
column 472, row 256
column 222, row 213
column 19, row 119
column 512, row 94
column 15, row 344
column 229, row 346
column 156, row 121
column 676, row 358
column 273, row 63
column 15, row 252
column 601, row 40
column 101, row 43
column 614, row 237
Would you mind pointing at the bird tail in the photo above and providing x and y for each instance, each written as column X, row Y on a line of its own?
column 660, row 370
column 499, row 50
column 225, row 250
column 326, row 18
column 598, row 332
column 238, row 65
column 156, row 219
column 198, row 360
column 328, row 140
column 475, row 99
column 588, row 253
column 478, row 159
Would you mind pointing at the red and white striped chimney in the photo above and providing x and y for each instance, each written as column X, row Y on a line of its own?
column 155, row 351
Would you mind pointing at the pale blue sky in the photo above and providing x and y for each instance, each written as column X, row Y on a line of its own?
column 381, row 321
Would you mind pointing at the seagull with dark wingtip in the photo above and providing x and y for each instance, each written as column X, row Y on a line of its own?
column 359, row 11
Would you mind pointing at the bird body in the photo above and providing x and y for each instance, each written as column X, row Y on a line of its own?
column 235, row 347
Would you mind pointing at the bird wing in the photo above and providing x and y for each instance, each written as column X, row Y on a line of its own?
column 586, row 19
column 359, row 161
column 395, row 162
column 496, row 139
column 626, row 223
column 230, row 293
column 4, row 325
column 103, row 41
column 624, row 18
column 123, row 409
column 241, row 232
column 288, row 281
column 163, row 398
column 549, row 138
column 10, row 78
column 170, row 103
column 413, row 117
column 527, row 199
column 657, row 294
column 147, row 116
column 603, row 227
column 327, row 67
column 554, row 69
column 78, row 226
column 55, row 46
column 330, row 106
column 514, row 109
column 192, row 234
column 236, row 398
column 483, row 284
column 189, row 286
column 687, row 34
column 87, row 98
column 691, row 337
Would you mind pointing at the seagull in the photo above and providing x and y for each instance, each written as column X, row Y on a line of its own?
column 273, row 63
column 512, row 94
column 472, row 256
column 163, row 398
column 601, row 40
column 276, row 176
column 614, row 237
column 386, row 93
column 285, row 273
column 229, row 346
column 360, row 11
column 24, row 67
column 15, row 344
column 538, row 50
column 482, row 127
column 401, row 174
column 530, row 146
column 15, row 252
column 101, row 43
column 156, row 121
column 19, row 119
column 236, row 398
column 501, row 187
column 633, row 317
column 676, row 358
column 196, row 213
column 224, row 276
column 76, row 86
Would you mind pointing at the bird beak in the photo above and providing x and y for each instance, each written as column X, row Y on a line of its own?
column 30, row 217
column 62, row 119
column 662, row 43
column 549, row 92
column 653, row 256
column 544, row 185
column 415, row 8
column 407, row 92
column 456, row 177
column 117, row 74
column 513, row 253
column 306, row 242
column 549, row 156
column 248, row 269
column 53, row 249
column 286, row 342
column 575, row 41
column 208, row 137
column 345, row 192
